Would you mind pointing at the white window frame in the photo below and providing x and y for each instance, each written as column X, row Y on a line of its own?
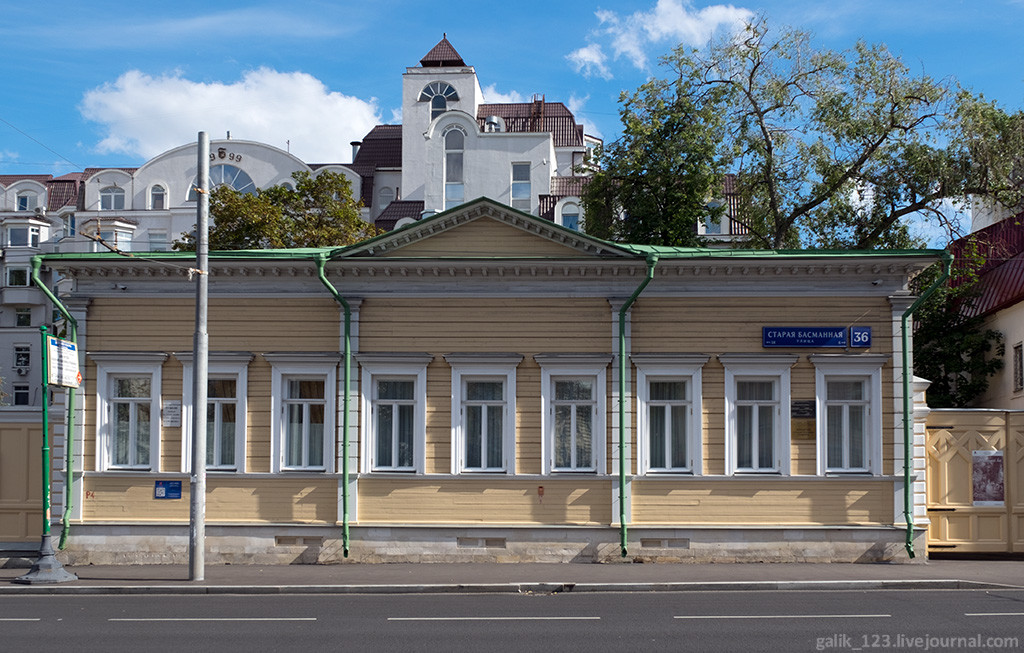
column 571, row 208
column 158, row 240
column 154, row 193
column 383, row 366
column 670, row 367
column 220, row 365
column 518, row 185
column 112, row 198
column 450, row 201
column 17, row 268
column 484, row 367
column 21, row 312
column 286, row 366
column 112, row 365
column 31, row 200
column 560, row 366
column 758, row 367
column 867, row 367
column 21, row 395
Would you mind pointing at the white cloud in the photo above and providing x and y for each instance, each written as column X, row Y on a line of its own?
column 591, row 61
column 144, row 115
column 671, row 22
column 493, row 96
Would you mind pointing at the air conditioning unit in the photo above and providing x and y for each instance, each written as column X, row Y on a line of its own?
column 22, row 371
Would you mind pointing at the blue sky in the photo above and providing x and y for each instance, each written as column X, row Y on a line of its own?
column 113, row 84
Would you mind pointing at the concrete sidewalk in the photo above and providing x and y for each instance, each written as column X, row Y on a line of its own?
column 524, row 577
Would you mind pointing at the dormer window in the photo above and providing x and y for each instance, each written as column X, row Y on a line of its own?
column 439, row 94
column 112, row 199
column 27, row 201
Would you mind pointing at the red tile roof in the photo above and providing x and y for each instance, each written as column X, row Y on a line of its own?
column 1002, row 273
column 7, row 180
column 536, row 116
column 396, row 211
column 381, row 148
column 62, row 192
column 442, row 55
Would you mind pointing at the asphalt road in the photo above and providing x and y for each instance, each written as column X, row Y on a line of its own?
column 880, row 620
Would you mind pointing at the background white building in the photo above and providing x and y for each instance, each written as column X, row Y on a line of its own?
column 452, row 147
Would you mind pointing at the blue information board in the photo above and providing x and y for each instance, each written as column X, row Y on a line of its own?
column 796, row 336
column 789, row 336
column 167, row 490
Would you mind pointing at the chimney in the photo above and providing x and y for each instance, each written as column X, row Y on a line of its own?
column 355, row 149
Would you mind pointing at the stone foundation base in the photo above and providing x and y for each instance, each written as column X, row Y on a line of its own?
column 104, row 545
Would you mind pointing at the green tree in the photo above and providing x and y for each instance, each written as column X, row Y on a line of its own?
column 830, row 149
column 318, row 212
column 952, row 347
column 654, row 183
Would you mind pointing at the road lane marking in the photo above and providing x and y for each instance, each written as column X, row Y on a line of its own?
column 494, row 618
column 214, row 619
column 782, row 616
column 994, row 614
column 17, row 619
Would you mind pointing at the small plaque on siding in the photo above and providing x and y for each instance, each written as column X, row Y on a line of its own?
column 803, row 409
column 801, row 429
column 171, row 414
column 167, row 490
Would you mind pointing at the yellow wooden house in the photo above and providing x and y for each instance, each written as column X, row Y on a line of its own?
column 516, row 391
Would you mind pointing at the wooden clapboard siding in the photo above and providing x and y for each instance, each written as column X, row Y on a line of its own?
column 234, row 324
column 272, row 500
column 484, row 237
column 259, row 426
column 87, row 421
column 277, row 500
column 473, row 324
column 170, row 437
column 763, row 501
column 583, row 500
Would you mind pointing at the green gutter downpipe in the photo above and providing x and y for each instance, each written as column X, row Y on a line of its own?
column 321, row 261
column 652, row 260
column 908, row 512
column 69, row 438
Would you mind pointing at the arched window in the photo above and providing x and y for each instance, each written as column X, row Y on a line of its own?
column 385, row 196
column 439, row 94
column 571, row 217
column 112, row 199
column 226, row 175
column 157, row 198
column 27, row 201
column 454, row 183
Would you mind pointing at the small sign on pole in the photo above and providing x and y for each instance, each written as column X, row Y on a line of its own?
column 63, row 358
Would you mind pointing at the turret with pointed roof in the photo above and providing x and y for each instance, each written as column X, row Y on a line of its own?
column 442, row 55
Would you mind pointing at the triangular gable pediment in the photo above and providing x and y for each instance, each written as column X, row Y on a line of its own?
column 485, row 229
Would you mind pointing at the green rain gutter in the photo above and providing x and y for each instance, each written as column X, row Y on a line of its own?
column 652, row 260
column 908, row 449
column 69, row 439
column 321, row 261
